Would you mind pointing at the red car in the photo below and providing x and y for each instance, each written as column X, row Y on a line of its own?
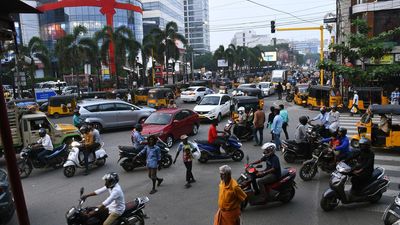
column 170, row 124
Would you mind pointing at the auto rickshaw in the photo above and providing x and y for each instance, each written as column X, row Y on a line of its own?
column 327, row 96
column 122, row 93
column 368, row 96
column 174, row 88
column 368, row 128
column 61, row 105
column 247, row 91
column 141, row 95
column 301, row 94
column 248, row 102
column 159, row 97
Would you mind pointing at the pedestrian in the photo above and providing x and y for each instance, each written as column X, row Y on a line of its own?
column 285, row 117
column 230, row 197
column 354, row 107
column 395, row 96
column 279, row 90
column 271, row 116
column 258, row 122
column 277, row 129
column 153, row 157
column 129, row 97
column 76, row 118
column 187, row 149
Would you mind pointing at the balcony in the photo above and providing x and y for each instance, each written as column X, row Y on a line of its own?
column 376, row 6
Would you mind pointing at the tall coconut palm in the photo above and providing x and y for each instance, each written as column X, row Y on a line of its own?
column 149, row 49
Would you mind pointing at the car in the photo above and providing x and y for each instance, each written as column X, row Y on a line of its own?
column 195, row 93
column 247, row 86
column 213, row 106
column 170, row 124
column 267, row 88
column 224, row 82
column 7, row 207
column 106, row 114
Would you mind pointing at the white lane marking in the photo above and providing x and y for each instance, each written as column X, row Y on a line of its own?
column 389, row 167
column 388, row 158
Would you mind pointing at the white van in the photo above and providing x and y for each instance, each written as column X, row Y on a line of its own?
column 279, row 76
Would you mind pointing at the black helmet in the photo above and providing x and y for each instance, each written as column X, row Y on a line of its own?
column 42, row 132
column 342, row 131
column 364, row 144
column 138, row 127
column 111, row 179
column 303, row 120
column 83, row 129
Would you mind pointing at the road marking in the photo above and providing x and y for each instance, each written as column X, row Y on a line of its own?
column 389, row 167
column 388, row 158
column 388, row 192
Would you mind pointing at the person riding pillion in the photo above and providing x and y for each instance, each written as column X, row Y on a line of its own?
column 362, row 172
column 87, row 145
column 342, row 151
column 301, row 136
column 137, row 137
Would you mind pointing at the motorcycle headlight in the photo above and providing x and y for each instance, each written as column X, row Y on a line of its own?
column 166, row 149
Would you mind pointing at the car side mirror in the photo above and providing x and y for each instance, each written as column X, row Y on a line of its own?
column 175, row 121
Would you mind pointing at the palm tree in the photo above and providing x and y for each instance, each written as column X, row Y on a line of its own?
column 227, row 54
column 149, row 49
column 166, row 41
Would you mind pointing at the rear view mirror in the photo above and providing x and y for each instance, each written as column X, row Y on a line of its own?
column 82, row 190
column 259, row 166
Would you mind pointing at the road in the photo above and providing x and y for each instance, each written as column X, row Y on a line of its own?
column 49, row 194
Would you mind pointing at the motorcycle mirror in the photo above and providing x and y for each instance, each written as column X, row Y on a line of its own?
column 247, row 159
column 82, row 190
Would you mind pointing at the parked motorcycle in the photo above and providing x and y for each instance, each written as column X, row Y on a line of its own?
column 392, row 212
column 76, row 159
column 370, row 193
column 29, row 159
column 323, row 158
column 127, row 153
column 243, row 133
column 212, row 152
column 133, row 214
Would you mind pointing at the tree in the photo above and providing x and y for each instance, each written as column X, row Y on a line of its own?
column 206, row 61
column 149, row 49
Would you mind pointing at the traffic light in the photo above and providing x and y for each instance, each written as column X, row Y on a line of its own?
column 272, row 26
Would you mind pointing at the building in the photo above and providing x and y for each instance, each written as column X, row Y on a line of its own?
column 197, row 30
column 157, row 13
column 249, row 38
column 27, row 25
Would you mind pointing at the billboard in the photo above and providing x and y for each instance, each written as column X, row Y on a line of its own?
column 269, row 56
column 222, row 63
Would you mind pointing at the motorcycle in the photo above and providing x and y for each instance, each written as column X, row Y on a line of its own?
column 323, row 157
column 29, row 159
column 133, row 214
column 76, row 159
column 243, row 133
column 282, row 190
column 335, row 194
column 290, row 96
column 212, row 152
column 392, row 212
column 127, row 153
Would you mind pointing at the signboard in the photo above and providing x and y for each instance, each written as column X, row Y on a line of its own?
column 158, row 71
column 397, row 57
column 330, row 20
column 44, row 94
column 386, row 59
column 222, row 63
column 105, row 71
column 269, row 56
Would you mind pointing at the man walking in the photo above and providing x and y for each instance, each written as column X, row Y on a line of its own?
column 285, row 117
column 276, row 129
column 258, row 122
column 271, row 116
column 187, row 148
column 394, row 97
column 279, row 90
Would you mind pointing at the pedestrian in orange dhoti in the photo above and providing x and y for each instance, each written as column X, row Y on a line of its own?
column 229, row 198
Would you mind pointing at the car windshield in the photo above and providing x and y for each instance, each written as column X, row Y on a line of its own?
column 191, row 89
column 264, row 85
column 210, row 100
column 303, row 90
column 158, row 118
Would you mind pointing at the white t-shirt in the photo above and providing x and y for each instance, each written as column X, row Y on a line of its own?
column 46, row 142
column 115, row 203
column 355, row 99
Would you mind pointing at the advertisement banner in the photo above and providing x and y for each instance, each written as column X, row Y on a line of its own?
column 269, row 56
column 222, row 63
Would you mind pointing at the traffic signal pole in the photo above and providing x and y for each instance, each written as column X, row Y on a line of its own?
column 321, row 54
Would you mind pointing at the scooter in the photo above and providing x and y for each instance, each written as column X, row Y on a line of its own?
column 392, row 212
column 127, row 153
column 133, row 214
column 76, row 159
column 282, row 190
column 212, row 152
column 243, row 133
column 335, row 194
column 29, row 159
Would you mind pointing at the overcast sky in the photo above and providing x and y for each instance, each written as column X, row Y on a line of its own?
column 230, row 16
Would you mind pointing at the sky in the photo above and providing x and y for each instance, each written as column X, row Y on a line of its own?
column 230, row 16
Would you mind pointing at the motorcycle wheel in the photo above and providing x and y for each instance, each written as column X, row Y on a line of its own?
column 166, row 161
column 25, row 168
column 376, row 198
column 101, row 162
column 127, row 165
column 308, row 171
column 134, row 220
column 69, row 171
column 289, row 157
column 203, row 157
column 328, row 204
column 238, row 155
column 287, row 195
column 289, row 98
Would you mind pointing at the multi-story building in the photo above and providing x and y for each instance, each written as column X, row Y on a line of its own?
column 249, row 38
column 197, row 30
column 157, row 13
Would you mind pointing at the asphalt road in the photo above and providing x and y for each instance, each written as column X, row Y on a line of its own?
column 49, row 194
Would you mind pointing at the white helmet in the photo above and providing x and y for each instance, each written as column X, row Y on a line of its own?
column 241, row 109
column 269, row 148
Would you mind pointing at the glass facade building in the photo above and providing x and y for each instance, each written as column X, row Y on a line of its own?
column 197, row 29
column 160, row 12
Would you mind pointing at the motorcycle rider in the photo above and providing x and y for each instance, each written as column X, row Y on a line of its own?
column 87, row 146
column 213, row 137
column 272, row 172
column 96, row 135
column 323, row 118
column 242, row 123
column 301, row 136
column 342, row 150
column 115, row 203
column 137, row 137
column 364, row 168
column 44, row 145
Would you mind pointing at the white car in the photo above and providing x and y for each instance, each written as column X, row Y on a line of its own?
column 267, row 88
column 213, row 106
column 195, row 93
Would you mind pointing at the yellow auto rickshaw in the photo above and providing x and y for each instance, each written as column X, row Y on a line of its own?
column 174, row 88
column 327, row 96
column 159, row 97
column 301, row 94
column 249, row 91
column 374, row 128
column 248, row 102
column 141, row 95
column 368, row 96
column 61, row 105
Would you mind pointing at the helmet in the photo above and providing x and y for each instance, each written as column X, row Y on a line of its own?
column 342, row 131
column 303, row 120
column 83, row 129
column 138, row 127
column 111, row 179
column 241, row 109
column 42, row 132
column 364, row 144
column 355, row 92
column 268, row 148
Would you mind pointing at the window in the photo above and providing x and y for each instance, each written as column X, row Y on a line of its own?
column 225, row 99
column 92, row 108
column 39, row 123
column 201, row 89
column 180, row 116
column 107, row 107
column 121, row 107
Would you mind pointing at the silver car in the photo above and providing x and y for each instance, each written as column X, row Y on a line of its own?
column 113, row 113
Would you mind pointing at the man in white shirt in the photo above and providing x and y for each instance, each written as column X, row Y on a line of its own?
column 43, row 145
column 354, row 108
column 115, row 203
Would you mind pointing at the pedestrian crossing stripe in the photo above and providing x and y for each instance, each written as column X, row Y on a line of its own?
column 349, row 122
